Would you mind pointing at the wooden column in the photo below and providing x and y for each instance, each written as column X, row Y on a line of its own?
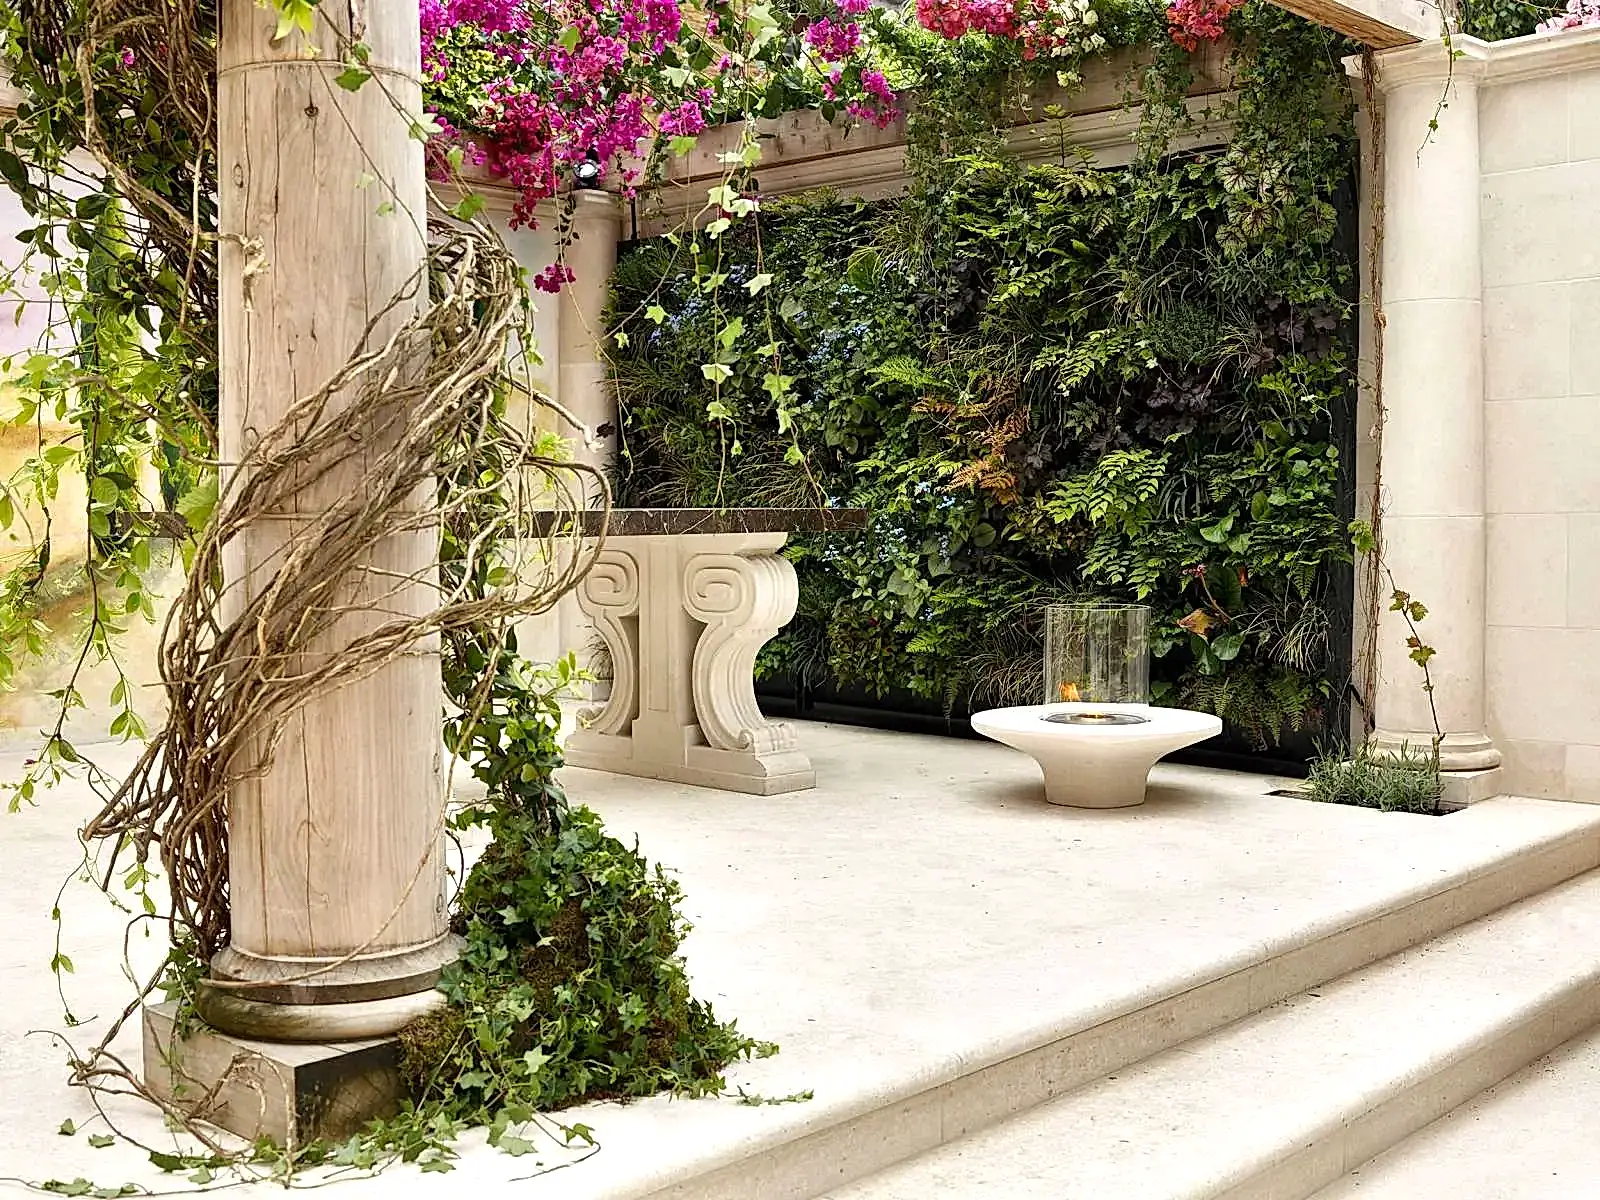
column 338, row 847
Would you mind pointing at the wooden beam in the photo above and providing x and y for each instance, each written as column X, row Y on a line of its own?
column 1380, row 24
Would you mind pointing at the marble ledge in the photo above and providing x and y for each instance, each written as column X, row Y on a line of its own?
column 624, row 522
column 664, row 522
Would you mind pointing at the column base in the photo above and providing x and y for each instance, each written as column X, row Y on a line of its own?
column 370, row 996
column 1457, row 752
column 290, row 1094
column 1464, row 788
column 230, row 1013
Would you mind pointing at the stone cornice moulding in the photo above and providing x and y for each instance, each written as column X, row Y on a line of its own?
column 1536, row 56
column 877, row 171
column 1540, row 55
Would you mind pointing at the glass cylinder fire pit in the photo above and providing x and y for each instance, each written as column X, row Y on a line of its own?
column 1096, row 737
column 1097, row 654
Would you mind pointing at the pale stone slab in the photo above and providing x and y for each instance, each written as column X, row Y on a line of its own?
column 931, row 944
column 1462, row 788
column 1287, row 1101
column 292, row 1093
column 1543, row 684
column 1525, row 124
column 1526, row 341
column 1529, row 1138
column 1542, row 455
column 1527, row 570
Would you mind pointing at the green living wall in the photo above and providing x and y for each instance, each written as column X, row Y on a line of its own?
column 1045, row 382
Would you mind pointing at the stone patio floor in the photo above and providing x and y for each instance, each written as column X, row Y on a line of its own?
column 921, row 915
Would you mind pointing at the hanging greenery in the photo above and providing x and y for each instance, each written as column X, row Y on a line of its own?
column 112, row 154
column 1044, row 381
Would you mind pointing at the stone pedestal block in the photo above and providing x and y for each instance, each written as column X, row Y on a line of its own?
column 290, row 1093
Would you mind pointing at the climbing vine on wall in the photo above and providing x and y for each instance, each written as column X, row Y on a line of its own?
column 1046, row 382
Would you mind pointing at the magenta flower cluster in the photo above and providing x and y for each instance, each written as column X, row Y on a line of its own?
column 576, row 84
column 599, row 80
column 530, row 89
column 955, row 18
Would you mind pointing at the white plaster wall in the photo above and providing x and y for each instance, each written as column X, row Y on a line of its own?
column 1540, row 195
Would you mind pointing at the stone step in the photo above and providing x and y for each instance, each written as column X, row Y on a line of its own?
column 1285, row 1102
column 927, row 1017
column 1529, row 1138
column 934, row 947
column 953, row 954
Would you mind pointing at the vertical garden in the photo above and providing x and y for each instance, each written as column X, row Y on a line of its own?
column 1047, row 381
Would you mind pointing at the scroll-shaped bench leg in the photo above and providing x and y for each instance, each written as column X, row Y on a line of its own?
column 743, row 602
column 609, row 596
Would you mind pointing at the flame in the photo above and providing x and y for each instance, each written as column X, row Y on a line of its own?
column 1069, row 693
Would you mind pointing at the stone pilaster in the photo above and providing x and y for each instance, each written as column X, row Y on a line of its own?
column 1434, row 469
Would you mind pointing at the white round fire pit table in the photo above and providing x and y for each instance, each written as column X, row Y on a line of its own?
column 1096, row 755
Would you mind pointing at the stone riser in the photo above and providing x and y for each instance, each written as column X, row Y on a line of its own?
column 1484, row 1062
column 904, row 1127
column 1286, row 1102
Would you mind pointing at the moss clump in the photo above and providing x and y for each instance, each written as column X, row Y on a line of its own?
column 569, row 987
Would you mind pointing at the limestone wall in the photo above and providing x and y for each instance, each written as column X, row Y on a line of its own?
column 1539, row 136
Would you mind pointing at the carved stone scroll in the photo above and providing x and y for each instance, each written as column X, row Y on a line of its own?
column 609, row 596
column 743, row 602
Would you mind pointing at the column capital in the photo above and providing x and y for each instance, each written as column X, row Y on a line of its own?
column 594, row 204
column 1461, row 59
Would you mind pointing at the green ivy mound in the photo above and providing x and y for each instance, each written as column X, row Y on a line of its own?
column 570, row 986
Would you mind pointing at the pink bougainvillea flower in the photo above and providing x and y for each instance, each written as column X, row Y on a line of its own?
column 1578, row 14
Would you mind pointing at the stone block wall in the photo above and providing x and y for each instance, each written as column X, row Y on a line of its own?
column 1539, row 139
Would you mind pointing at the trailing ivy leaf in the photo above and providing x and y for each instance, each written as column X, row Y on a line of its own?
column 74, row 1187
column 756, row 284
column 777, row 386
column 467, row 207
column 294, row 15
column 67, row 1127
column 196, row 505
column 351, row 78
column 101, row 1140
